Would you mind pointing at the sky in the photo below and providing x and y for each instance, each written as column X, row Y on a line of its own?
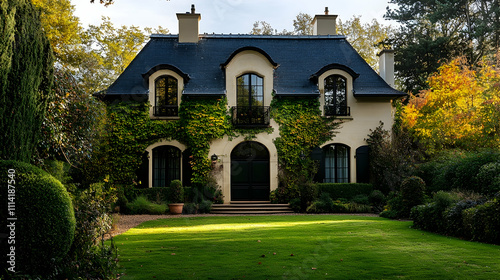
column 224, row 16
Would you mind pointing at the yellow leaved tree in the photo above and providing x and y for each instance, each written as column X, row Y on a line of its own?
column 461, row 108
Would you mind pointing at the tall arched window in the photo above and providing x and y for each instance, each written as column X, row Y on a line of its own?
column 336, row 96
column 250, row 90
column 250, row 108
column 166, row 91
column 166, row 165
column 336, row 163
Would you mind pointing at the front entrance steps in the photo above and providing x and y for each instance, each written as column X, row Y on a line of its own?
column 251, row 207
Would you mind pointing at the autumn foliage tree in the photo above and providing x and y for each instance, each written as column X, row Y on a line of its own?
column 459, row 110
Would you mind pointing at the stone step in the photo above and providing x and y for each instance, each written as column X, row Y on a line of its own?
column 249, row 205
column 253, row 207
column 241, row 212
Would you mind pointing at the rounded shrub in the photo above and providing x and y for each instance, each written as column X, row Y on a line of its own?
column 489, row 177
column 412, row 194
column 205, row 207
column 45, row 225
column 176, row 192
column 377, row 200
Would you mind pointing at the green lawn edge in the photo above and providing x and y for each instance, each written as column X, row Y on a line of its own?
column 298, row 247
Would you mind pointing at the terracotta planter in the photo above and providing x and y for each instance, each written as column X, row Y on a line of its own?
column 176, row 208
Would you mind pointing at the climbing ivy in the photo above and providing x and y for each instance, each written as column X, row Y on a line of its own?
column 130, row 131
column 202, row 120
column 302, row 128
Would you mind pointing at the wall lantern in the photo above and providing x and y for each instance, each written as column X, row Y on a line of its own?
column 302, row 155
column 214, row 157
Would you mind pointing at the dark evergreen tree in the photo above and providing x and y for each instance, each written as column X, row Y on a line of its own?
column 434, row 31
column 26, row 76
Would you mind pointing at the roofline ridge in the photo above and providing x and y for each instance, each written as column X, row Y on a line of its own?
column 252, row 36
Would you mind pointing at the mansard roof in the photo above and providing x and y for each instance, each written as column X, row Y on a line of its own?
column 298, row 62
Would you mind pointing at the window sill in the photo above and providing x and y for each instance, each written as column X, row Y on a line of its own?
column 164, row 118
column 347, row 118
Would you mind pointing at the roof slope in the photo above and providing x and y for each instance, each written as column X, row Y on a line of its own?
column 299, row 58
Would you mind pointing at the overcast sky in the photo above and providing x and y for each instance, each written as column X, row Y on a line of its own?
column 224, row 16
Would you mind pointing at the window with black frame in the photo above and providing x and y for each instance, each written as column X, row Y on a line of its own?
column 336, row 163
column 166, row 91
column 166, row 165
column 250, row 109
column 336, row 96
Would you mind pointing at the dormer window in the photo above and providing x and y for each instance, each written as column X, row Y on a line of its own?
column 166, row 91
column 336, row 96
column 250, row 109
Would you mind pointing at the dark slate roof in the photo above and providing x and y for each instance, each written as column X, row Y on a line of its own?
column 298, row 61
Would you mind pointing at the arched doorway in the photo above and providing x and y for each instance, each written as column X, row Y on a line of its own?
column 250, row 172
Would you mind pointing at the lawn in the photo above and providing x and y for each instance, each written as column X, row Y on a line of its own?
column 298, row 247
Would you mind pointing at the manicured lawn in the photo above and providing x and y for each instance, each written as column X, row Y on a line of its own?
column 298, row 247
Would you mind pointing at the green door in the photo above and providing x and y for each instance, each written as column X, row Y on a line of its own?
column 250, row 172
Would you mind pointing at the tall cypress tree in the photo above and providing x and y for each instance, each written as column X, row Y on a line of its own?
column 26, row 75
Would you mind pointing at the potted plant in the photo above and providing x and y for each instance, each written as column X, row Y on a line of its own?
column 176, row 197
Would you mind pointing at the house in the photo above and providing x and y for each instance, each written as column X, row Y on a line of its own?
column 249, row 71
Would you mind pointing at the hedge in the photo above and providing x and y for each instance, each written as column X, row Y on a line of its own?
column 45, row 225
column 159, row 194
column 468, row 219
column 344, row 190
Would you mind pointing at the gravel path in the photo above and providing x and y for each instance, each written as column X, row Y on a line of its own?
column 126, row 222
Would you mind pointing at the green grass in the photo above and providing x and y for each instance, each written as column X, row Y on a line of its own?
column 323, row 247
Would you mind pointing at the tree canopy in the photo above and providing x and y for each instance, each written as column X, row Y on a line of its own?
column 434, row 31
column 461, row 108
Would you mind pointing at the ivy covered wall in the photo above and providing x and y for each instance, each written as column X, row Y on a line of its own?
column 302, row 128
column 202, row 120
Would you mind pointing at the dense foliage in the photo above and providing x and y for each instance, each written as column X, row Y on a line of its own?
column 459, row 110
column 471, row 218
column 130, row 131
column 25, row 84
column 302, row 128
column 45, row 221
column 391, row 158
column 347, row 191
column 468, row 171
column 73, row 123
column 432, row 32
column 202, row 120
column 89, row 257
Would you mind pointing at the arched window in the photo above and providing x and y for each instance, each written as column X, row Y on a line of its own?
column 336, row 163
column 336, row 96
column 166, row 91
column 166, row 165
column 250, row 91
column 250, row 108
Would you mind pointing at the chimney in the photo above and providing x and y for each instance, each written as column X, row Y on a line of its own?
column 189, row 26
column 325, row 24
column 386, row 66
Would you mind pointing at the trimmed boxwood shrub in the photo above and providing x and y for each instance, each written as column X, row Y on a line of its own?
column 412, row 194
column 454, row 216
column 176, row 192
column 160, row 194
column 344, row 190
column 482, row 223
column 205, row 207
column 431, row 215
column 45, row 224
